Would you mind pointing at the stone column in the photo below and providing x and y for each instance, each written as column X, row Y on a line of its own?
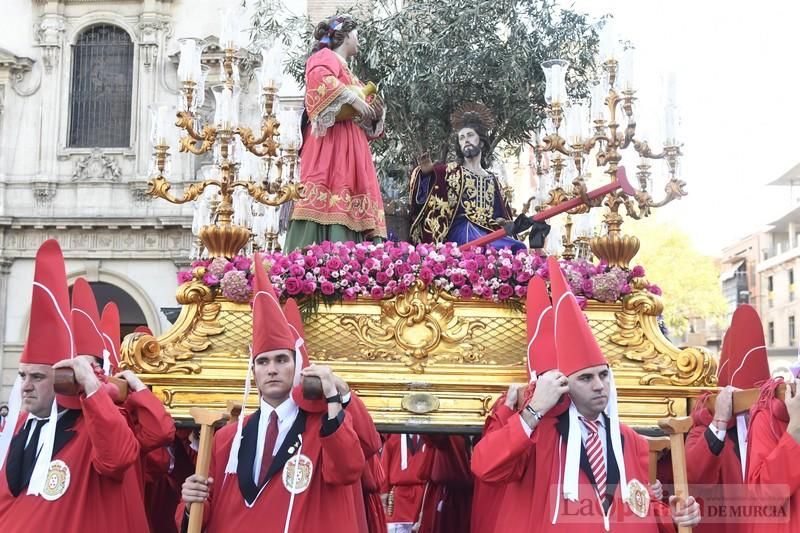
column 5, row 270
column 50, row 39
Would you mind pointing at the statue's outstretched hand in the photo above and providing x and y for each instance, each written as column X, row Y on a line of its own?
column 425, row 163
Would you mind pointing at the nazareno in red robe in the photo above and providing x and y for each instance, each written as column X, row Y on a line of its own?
column 409, row 486
column 714, row 472
column 236, row 504
column 451, row 483
column 366, row 497
column 773, row 471
column 532, row 468
column 103, row 494
column 154, row 429
column 487, row 497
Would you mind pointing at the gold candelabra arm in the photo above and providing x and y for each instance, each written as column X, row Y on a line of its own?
column 206, row 137
column 159, row 187
column 556, row 143
column 269, row 147
column 287, row 192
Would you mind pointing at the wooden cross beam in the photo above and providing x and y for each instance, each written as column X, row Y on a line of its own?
column 676, row 428
column 206, row 420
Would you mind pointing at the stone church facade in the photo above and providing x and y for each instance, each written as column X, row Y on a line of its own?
column 76, row 80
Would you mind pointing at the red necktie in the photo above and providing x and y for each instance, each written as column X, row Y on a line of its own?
column 597, row 461
column 269, row 445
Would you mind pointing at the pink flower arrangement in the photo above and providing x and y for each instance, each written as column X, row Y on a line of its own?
column 345, row 270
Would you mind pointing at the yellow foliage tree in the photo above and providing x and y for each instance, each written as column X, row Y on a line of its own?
column 689, row 280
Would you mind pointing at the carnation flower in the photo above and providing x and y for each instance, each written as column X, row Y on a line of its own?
column 217, row 267
column 184, row 276
column 234, row 286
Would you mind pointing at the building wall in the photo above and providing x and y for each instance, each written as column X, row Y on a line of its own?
column 93, row 200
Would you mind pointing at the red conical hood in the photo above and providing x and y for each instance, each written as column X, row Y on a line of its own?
column 50, row 337
column 295, row 319
column 271, row 331
column 576, row 346
column 86, row 320
column 109, row 325
column 748, row 365
column 541, row 342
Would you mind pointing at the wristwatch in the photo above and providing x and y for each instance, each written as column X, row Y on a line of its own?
column 534, row 412
column 336, row 398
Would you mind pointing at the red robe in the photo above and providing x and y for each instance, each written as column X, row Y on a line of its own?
column 154, row 429
column 370, row 441
column 451, row 483
column 326, row 503
column 410, row 485
column 100, row 451
column 714, row 470
column 773, row 471
column 372, row 480
column 487, row 497
column 533, row 469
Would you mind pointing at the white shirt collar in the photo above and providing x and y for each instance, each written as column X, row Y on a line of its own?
column 288, row 409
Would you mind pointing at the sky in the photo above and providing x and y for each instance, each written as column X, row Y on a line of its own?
column 738, row 84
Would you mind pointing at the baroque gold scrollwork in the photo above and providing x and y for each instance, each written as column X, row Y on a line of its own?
column 417, row 328
column 645, row 345
column 143, row 355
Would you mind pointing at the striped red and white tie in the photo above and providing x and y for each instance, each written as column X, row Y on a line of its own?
column 597, row 460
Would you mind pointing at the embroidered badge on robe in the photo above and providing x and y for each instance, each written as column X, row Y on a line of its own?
column 297, row 473
column 638, row 498
column 57, row 481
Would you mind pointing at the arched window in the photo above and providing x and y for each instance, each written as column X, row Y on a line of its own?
column 100, row 88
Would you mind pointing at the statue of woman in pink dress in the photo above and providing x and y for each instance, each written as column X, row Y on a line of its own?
column 343, row 199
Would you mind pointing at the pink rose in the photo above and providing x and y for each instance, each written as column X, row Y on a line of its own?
column 210, row 279
column 655, row 289
column 438, row 269
column 426, row 275
column 376, row 293
column 309, row 261
column 362, row 279
column 458, row 279
column 504, row 292
column 296, row 271
column 638, row 271
column 184, row 276
column 520, row 290
column 350, row 294
column 465, row 291
column 327, row 288
column 382, row 278
column 309, row 286
column 504, row 272
column 335, row 263
column 293, row 286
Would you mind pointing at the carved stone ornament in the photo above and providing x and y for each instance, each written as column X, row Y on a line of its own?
column 97, row 166
column 43, row 193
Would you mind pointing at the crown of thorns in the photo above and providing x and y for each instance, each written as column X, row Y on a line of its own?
column 472, row 113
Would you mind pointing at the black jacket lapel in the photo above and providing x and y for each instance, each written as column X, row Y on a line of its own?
column 290, row 442
column 612, row 472
column 64, row 432
column 14, row 461
column 247, row 456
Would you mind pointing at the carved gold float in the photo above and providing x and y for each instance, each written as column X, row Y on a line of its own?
column 422, row 359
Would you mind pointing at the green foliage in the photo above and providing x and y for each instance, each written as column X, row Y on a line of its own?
column 689, row 280
column 429, row 56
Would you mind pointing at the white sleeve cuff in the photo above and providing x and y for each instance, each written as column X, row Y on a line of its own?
column 346, row 398
column 718, row 433
column 528, row 430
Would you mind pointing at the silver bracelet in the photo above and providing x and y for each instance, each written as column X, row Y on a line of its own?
column 534, row 412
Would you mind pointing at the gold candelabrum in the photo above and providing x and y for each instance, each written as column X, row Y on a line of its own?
column 233, row 145
column 604, row 135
